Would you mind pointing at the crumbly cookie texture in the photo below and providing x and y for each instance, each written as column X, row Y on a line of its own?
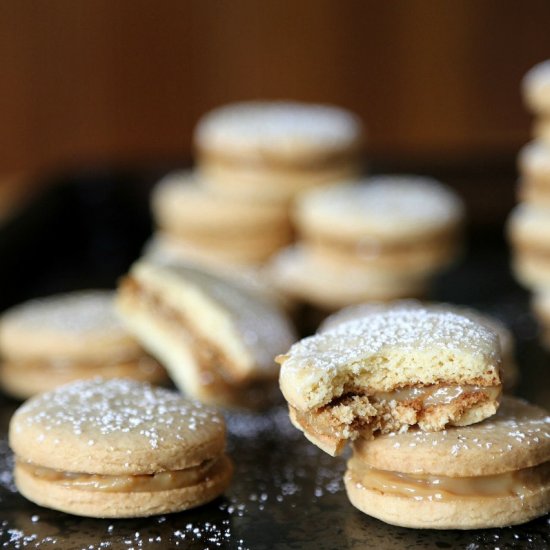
column 507, row 344
column 389, row 371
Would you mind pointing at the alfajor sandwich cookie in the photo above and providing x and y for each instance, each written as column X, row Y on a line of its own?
column 51, row 341
column 391, row 371
column 271, row 150
column 491, row 474
column 118, row 448
column 216, row 338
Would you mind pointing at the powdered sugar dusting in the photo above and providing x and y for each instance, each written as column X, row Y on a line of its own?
column 385, row 204
column 401, row 330
column 74, row 313
column 278, row 125
column 116, row 406
column 264, row 329
column 517, row 427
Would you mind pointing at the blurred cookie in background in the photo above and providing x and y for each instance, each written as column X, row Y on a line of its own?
column 529, row 233
column 329, row 286
column 381, row 238
column 205, row 223
column 48, row 342
column 272, row 150
column 534, row 169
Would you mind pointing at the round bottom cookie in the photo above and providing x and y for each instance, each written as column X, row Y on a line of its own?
column 271, row 183
column 239, row 252
column 332, row 286
column 95, row 499
column 491, row 474
column 421, row 260
column 118, row 448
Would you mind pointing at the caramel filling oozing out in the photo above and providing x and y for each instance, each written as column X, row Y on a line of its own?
column 160, row 481
column 434, row 395
column 442, row 488
column 356, row 412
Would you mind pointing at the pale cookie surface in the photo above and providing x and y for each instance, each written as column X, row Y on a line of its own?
column 182, row 203
column 115, row 427
column 393, row 208
column 490, row 474
column 517, row 436
column 389, row 371
column 506, row 338
column 300, row 275
column 284, row 130
column 80, row 325
column 536, row 88
column 534, row 161
column 214, row 336
column 529, row 227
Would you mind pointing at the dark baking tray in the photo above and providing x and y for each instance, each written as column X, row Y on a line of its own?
column 84, row 232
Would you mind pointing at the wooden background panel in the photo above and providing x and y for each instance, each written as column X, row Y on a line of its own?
column 117, row 81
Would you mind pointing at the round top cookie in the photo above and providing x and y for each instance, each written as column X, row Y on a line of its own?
column 517, row 437
column 395, row 208
column 114, row 427
column 386, row 351
column 536, row 88
column 359, row 311
column 79, row 325
column 279, row 130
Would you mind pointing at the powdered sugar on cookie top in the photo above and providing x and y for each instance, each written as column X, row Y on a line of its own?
column 388, row 350
column 75, row 313
column 97, row 408
column 284, row 127
column 385, row 206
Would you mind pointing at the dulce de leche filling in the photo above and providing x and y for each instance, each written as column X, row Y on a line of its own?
column 434, row 394
column 441, row 488
column 358, row 413
column 160, row 481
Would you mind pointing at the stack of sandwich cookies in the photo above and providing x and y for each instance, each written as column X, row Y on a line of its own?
column 529, row 222
column 216, row 338
column 391, row 371
column 387, row 236
column 509, row 368
column 51, row 341
column 118, row 448
column 270, row 151
column 490, row 474
column 203, row 224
